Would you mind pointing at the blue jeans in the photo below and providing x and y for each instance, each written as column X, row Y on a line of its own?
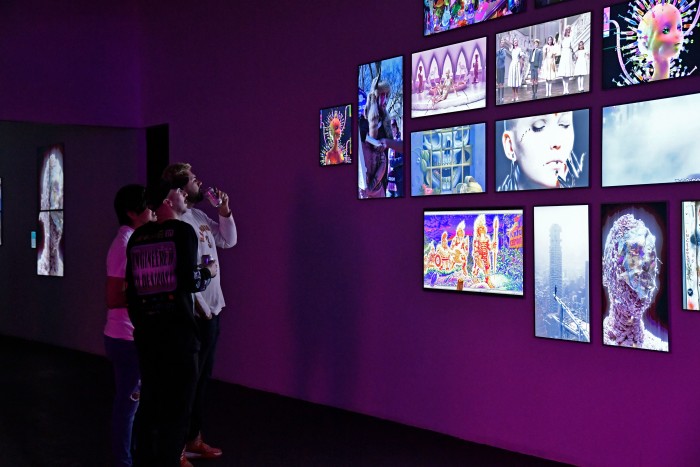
column 122, row 354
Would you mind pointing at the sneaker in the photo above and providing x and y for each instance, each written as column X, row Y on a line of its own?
column 199, row 449
column 183, row 460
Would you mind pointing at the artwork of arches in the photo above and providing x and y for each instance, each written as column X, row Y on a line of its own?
column 451, row 84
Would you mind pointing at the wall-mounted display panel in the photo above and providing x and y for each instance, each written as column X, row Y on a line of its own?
column 50, row 228
column 473, row 251
column 642, row 145
column 335, row 135
column 543, row 151
column 635, row 298
column 562, row 294
column 645, row 41
column 380, row 124
column 448, row 160
column 444, row 15
column 543, row 60
column 449, row 79
column 691, row 254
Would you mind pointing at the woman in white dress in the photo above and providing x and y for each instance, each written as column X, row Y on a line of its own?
column 514, row 75
column 566, row 62
column 549, row 65
column 581, row 66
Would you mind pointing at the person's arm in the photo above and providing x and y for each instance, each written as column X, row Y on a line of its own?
column 116, row 292
column 224, row 232
column 201, row 307
column 195, row 277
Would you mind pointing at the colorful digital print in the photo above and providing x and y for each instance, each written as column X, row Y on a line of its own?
column 649, row 40
column 380, row 167
column 542, row 151
column 543, row 60
column 641, row 147
column 50, row 244
column 635, row 302
column 473, row 251
column 335, row 135
column 449, row 79
column 691, row 255
column 443, row 15
column 448, row 161
column 561, row 273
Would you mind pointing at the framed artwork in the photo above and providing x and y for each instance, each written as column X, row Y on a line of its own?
column 443, row 15
column 635, row 299
column 449, row 79
column 649, row 41
column 380, row 167
column 562, row 296
column 543, row 151
column 640, row 146
column 690, row 228
column 544, row 60
column 473, row 251
column 50, row 228
column 448, row 161
column 335, row 135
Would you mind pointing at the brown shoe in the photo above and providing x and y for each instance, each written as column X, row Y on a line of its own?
column 199, row 449
column 183, row 460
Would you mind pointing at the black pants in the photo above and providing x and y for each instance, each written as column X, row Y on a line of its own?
column 208, row 337
column 168, row 380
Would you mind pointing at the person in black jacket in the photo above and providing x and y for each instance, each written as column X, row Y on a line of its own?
column 162, row 273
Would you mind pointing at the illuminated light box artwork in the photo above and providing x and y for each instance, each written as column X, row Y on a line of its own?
column 691, row 254
column 473, row 251
column 562, row 308
column 335, row 135
column 649, row 40
column 543, row 151
column 635, row 299
column 449, row 79
column 448, row 161
column 543, row 60
column 444, row 15
column 641, row 147
column 50, row 237
column 380, row 167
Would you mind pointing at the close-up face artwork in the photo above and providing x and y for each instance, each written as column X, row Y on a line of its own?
column 541, row 146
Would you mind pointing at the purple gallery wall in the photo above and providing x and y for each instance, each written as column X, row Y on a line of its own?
column 324, row 292
column 325, row 301
column 70, row 62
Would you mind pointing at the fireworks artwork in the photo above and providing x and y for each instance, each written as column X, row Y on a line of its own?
column 335, row 140
column 473, row 251
column 649, row 40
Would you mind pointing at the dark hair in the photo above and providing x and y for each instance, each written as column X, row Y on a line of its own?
column 129, row 198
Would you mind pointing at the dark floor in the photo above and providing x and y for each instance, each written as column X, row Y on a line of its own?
column 55, row 403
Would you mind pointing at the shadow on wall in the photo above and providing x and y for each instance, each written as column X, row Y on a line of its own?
column 324, row 313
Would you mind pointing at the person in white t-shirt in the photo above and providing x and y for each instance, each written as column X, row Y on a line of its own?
column 130, row 206
column 210, row 302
